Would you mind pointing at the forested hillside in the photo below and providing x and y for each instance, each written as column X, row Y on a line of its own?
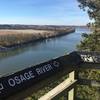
column 90, row 42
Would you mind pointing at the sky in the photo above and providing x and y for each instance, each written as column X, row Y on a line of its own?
column 42, row 12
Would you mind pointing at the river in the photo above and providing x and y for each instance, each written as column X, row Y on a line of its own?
column 35, row 53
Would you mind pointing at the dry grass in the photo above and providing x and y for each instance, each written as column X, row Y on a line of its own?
column 11, row 37
column 14, row 37
column 27, row 31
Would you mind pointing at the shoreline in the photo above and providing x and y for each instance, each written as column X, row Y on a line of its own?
column 30, row 36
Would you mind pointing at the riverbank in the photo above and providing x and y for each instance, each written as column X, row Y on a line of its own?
column 11, row 38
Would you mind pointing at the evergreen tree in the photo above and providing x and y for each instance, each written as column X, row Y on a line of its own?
column 90, row 42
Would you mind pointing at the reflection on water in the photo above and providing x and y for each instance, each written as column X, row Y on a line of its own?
column 21, row 49
column 32, row 54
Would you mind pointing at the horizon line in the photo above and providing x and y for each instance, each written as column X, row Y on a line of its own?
column 45, row 24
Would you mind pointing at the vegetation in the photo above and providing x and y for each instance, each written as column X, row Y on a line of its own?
column 12, row 37
column 90, row 42
column 16, row 37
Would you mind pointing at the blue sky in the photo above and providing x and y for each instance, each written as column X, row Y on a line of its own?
column 49, row 12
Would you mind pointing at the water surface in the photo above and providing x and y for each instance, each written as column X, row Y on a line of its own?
column 38, row 52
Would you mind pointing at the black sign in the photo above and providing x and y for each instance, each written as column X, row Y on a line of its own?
column 29, row 76
column 22, row 79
